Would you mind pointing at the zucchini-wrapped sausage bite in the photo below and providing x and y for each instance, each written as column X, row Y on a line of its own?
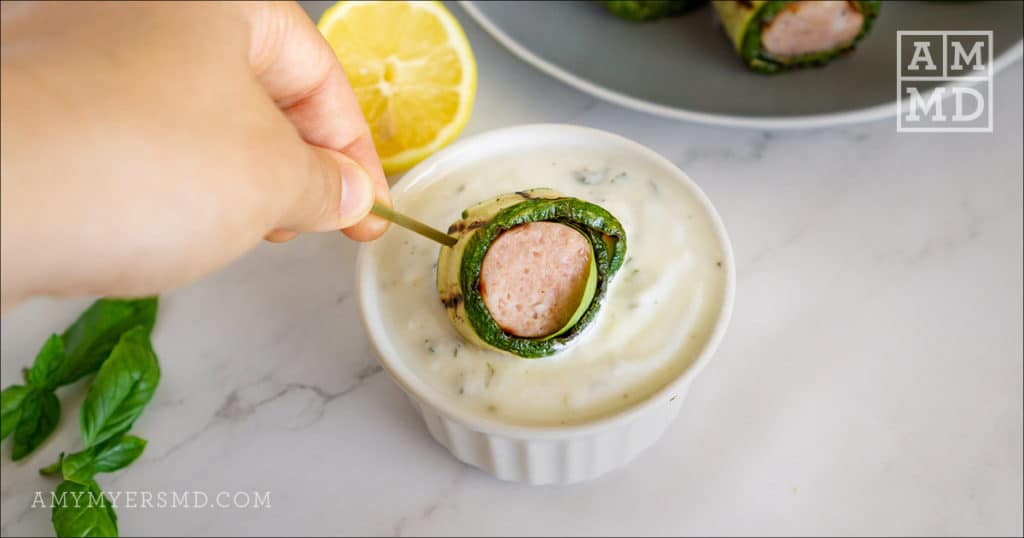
column 529, row 271
column 775, row 35
column 649, row 10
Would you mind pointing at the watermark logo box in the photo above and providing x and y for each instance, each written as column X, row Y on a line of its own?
column 961, row 62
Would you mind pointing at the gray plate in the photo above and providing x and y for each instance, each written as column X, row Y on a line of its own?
column 685, row 67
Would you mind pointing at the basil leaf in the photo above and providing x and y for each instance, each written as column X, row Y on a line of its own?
column 109, row 508
column 122, row 388
column 110, row 456
column 53, row 469
column 82, row 510
column 11, row 400
column 48, row 364
column 118, row 453
column 40, row 411
column 89, row 340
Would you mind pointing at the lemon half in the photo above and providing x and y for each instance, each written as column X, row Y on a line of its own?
column 412, row 70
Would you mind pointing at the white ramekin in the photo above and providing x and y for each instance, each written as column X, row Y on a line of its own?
column 538, row 455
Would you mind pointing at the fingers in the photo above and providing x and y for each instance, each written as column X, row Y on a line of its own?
column 300, row 72
column 281, row 236
column 337, row 193
column 370, row 228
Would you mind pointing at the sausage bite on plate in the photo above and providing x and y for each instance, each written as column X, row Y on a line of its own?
column 777, row 35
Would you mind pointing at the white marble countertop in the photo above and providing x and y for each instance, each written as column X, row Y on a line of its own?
column 870, row 382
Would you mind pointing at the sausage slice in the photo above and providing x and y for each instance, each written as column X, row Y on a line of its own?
column 809, row 27
column 534, row 276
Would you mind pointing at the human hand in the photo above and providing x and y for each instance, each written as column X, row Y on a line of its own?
column 146, row 145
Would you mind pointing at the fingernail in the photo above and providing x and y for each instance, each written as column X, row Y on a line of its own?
column 356, row 193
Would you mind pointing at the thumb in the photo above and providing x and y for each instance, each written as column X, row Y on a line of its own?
column 338, row 193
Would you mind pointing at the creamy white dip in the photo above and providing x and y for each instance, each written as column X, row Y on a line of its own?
column 657, row 317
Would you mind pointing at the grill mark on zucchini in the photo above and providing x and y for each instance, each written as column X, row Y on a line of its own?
column 452, row 301
column 463, row 226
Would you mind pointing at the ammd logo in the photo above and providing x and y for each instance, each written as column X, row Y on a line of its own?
column 962, row 63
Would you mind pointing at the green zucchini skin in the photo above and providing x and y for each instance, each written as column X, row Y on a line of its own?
column 649, row 10
column 743, row 22
column 458, row 267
